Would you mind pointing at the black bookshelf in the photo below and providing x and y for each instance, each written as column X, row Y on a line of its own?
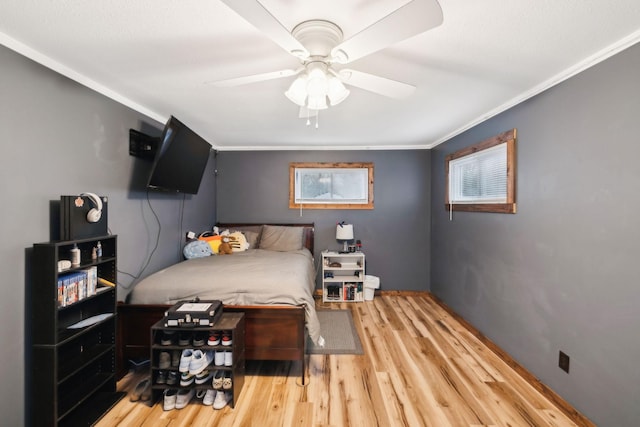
column 71, row 372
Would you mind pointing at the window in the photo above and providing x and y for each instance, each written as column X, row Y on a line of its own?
column 481, row 178
column 331, row 185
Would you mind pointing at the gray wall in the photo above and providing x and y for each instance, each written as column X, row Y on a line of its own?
column 561, row 274
column 254, row 187
column 61, row 138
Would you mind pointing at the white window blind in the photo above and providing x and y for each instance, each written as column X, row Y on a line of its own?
column 480, row 177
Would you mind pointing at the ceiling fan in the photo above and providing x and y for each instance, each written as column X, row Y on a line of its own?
column 319, row 44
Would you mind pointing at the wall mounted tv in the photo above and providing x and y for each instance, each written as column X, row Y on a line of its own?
column 180, row 159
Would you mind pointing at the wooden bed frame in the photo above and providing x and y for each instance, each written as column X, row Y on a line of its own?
column 271, row 332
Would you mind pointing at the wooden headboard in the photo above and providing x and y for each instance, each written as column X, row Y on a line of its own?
column 307, row 232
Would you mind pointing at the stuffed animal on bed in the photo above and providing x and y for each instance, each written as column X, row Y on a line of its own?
column 197, row 249
column 238, row 241
column 225, row 246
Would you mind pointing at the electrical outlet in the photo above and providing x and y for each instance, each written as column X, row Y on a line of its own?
column 190, row 235
column 563, row 361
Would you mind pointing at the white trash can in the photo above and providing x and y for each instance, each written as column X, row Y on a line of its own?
column 371, row 283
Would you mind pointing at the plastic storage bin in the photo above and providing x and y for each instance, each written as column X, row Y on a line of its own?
column 371, row 283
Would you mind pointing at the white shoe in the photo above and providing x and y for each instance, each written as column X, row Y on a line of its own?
column 169, row 401
column 221, row 400
column 204, row 376
column 200, row 361
column 219, row 358
column 208, row 398
column 186, row 379
column 185, row 360
column 226, row 339
column 214, row 338
column 184, row 397
column 227, row 382
column 228, row 358
column 218, row 379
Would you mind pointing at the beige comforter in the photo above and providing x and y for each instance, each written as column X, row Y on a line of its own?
column 252, row 277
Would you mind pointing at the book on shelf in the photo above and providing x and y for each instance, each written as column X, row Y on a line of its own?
column 77, row 285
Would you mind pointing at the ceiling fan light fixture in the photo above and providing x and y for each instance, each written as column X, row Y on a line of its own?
column 317, row 83
column 337, row 92
column 297, row 92
column 317, row 102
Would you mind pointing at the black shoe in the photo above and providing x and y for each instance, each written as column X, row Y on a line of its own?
column 167, row 338
column 184, row 339
column 199, row 339
column 172, row 378
column 161, row 378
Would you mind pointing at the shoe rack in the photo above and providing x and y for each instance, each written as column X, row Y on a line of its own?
column 167, row 342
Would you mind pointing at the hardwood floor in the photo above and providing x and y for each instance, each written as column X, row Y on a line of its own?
column 421, row 367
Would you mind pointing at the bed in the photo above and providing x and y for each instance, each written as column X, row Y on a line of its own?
column 272, row 284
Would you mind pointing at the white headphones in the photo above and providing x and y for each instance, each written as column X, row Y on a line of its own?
column 94, row 214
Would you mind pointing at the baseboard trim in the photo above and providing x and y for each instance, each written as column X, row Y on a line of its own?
column 562, row 404
column 318, row 293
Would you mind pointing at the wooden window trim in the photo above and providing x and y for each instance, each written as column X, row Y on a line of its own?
column 508, row 137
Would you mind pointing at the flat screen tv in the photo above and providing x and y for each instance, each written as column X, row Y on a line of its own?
column 180, row 160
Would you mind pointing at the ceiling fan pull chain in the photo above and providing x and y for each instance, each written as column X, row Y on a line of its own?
column 317, row 115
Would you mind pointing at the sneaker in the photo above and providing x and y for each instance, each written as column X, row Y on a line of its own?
column 184, row 338
column 140, row 390
column 185, row 360
column 228, row 358
column 175, row 358
column 221, row 399
column 214, row 338
column 184, row 397
column 219, row 358
column 204, row 377
column 200, row 361
column 169, row 401
column 161, row 378
column 227, row 384
column 186, row 379
column 172, row 378
column 208, row 397
column 226, row 339
column 167, row 337
column 218, row 377
column 198, row 339
column 164, row 360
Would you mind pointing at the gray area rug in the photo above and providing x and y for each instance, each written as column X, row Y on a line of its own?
column 339, row 332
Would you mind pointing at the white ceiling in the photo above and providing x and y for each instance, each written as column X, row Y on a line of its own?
column 160, row 57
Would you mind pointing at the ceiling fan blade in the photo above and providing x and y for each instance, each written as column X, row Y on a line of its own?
column 254, row 78
column 255, row 14
column 376, row 84
column 412, row 19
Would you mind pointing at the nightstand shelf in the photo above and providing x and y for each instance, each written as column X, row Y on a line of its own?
column 343, row 276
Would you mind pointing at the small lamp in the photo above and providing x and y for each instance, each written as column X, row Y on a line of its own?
column 344, row 233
